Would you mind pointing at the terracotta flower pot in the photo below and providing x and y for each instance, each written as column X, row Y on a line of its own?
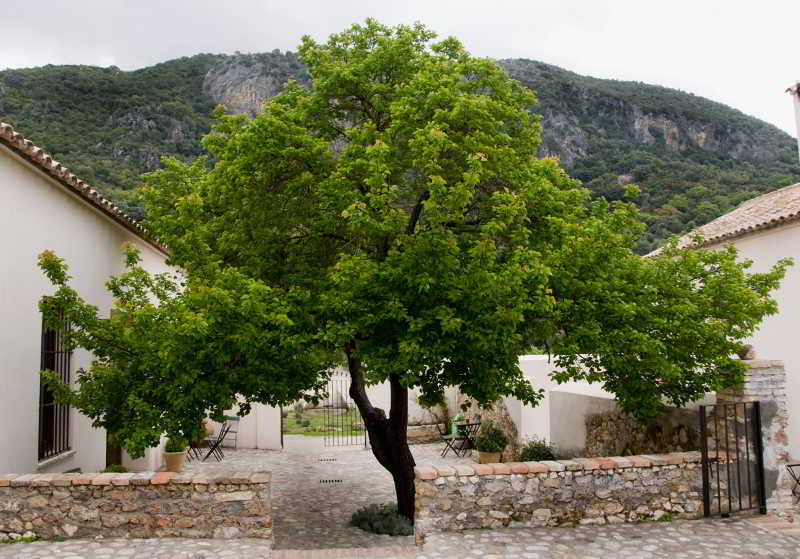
column 488, row 457
column 174, row 461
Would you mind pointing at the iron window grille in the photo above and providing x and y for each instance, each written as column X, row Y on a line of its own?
column 53, row 416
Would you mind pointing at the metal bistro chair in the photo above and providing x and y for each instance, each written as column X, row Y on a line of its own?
column 794, row 472
column 215, row 445
column 460, row 443
column 194, row 452
column 470, row 434
column 233, row 432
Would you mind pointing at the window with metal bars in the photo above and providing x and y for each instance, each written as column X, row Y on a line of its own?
column 53, row 417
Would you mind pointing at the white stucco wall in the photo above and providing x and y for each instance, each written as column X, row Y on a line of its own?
column 777, row 336
column 549, row 420
column 568, row 413
column 37, row 213
column 261, row 428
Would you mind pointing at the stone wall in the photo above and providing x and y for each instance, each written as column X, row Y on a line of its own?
column 615, row 433
column 142, row 505
column 583, row 490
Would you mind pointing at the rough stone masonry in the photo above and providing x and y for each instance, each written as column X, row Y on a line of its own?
column 549, row 493
column 142, row 505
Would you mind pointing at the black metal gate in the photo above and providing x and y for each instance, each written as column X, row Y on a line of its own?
column 342, row 422
column 732, row 458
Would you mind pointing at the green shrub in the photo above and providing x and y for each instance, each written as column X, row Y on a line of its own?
column 115, row 469
column 305, row 422
column 537, row 449
column 491, row 438
column 382, row 519
column 175, row 444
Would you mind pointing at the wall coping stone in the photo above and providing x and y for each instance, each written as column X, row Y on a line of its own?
column 140, row 478
column 518, row 467
column 499, row 468
column 763, row 363
column 445, row 471
column 571, row 465
column 425, row 472
column 482, row 469
column 537, row 467
column 588, row 463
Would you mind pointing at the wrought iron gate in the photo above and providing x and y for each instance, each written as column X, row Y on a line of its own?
column 732, row 458
column 342, row 422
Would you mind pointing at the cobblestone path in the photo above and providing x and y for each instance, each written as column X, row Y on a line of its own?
column 316, row 489
column 685, row 539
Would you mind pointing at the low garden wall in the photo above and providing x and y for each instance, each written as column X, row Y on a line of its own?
column 582, row 490
column 142, row 505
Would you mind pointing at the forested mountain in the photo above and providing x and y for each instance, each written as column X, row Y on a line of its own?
column 693, row 158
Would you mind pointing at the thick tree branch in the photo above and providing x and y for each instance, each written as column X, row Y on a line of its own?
column 416, row 212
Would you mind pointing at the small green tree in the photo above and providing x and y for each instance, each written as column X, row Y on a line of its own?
column 172, row 352
column 395, row 218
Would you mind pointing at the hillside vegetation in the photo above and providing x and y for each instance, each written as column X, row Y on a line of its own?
column 693, row 158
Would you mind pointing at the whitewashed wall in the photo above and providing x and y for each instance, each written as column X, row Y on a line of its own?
column 37, row 213
column 551, row 419
column 777, row 336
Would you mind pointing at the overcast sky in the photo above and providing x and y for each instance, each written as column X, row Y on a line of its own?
column 742, row 53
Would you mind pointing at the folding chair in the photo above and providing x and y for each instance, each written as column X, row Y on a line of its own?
column 794, row 471
column 470, row 433
column 456, row 442
column 194, row 450
column 215, row 445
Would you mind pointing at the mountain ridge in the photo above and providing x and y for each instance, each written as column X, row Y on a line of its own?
column 692, row 157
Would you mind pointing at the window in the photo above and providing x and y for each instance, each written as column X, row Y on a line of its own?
column 53, row 417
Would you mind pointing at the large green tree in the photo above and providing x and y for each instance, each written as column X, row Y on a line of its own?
column 394, row 217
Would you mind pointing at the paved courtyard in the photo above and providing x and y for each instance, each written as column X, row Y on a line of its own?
column 686, row 539
column 316, row 489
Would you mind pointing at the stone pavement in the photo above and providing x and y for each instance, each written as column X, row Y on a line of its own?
column 315, row 489
column 685, row 539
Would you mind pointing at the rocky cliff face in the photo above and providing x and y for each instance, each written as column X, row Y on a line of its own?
column 244, row 82
column 575, row 109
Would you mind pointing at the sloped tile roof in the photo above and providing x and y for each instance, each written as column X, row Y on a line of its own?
column 42, row 160
column 765, row 211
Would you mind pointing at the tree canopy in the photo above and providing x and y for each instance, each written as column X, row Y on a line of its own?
column 394, row 216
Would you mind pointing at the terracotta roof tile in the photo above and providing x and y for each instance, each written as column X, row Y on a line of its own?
column 42, row 160
column 768, row 210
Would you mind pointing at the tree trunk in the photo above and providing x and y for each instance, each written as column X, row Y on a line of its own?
column 388, row 437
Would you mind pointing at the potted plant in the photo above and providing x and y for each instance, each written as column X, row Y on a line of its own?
column 175, row 453
column 491, row 442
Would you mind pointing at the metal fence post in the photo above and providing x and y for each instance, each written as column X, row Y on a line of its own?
column 759, row 444
column 704, row 464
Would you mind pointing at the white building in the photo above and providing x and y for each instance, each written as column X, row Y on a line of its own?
column 764, row 230
column 45, row 207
